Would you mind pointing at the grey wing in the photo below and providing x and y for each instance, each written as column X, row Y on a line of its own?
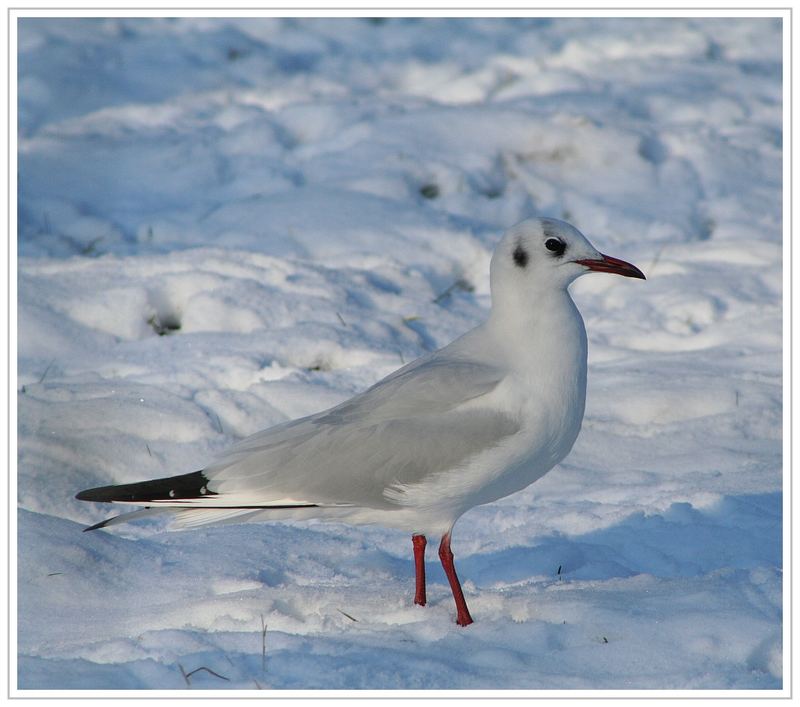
column 399, row 432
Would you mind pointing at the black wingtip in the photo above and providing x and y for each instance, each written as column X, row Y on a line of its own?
column 185, row 486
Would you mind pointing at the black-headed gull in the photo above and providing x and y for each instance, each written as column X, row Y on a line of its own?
column 475, row 421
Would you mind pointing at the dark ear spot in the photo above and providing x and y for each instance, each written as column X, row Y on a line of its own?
column 520, row 256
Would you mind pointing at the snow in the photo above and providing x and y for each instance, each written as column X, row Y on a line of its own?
column 224, row 224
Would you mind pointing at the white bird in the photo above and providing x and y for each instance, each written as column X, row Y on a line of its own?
column 477, row 420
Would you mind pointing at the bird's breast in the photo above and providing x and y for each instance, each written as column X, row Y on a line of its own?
column 548, row 400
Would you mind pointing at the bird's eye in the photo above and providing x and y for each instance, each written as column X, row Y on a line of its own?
column 556, row 246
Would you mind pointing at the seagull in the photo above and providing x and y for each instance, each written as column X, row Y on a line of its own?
column 479, row 419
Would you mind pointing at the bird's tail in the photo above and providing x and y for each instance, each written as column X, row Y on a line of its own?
column 126, row 518
column 188, row 500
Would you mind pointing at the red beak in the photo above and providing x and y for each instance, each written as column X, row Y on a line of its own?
column 605, row 263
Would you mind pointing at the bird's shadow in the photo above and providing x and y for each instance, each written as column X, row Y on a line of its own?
column 740, row 532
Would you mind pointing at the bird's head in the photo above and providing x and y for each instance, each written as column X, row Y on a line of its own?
column 545, row 253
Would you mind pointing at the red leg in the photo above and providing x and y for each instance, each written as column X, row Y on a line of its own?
column 446, row 556
column 419, row 567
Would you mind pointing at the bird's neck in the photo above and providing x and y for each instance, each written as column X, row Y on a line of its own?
column 541, row 329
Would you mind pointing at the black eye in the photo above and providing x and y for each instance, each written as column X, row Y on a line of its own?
column 556, row 246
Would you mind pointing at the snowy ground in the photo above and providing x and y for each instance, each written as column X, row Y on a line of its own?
column 299, row 207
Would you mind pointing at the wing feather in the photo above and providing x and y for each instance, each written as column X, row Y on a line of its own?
column 405, row 428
